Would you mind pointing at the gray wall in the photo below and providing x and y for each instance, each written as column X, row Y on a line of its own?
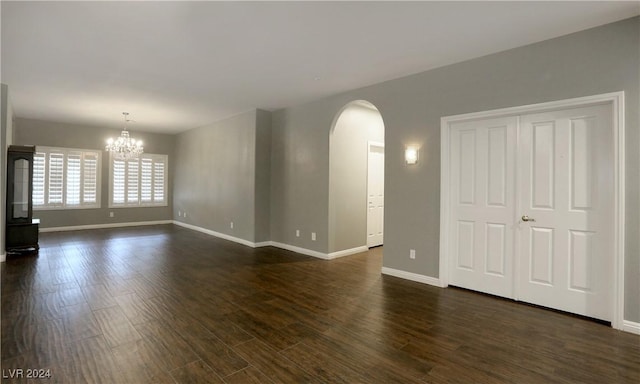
column 348, row 164
column 4, row 117
column 217, row 176
column 7, row 129
column 596, row 61
column 52, row 134
column 263, row 176
column 300, row 174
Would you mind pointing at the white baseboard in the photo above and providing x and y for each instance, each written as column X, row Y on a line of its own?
column 3, row 257
column 347, row 252
column 220, row 235
column 412, row 276
column 300, row 250
column 631, row 327
column 251, row 244
column 217, row 234
column 103, row 226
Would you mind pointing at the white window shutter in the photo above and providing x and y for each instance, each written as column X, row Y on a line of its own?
column 90, row 178
column 139, row 182
column 74, row 165
column 119, row 179
column 158, row 181
column 66, row 178
column 39, row 173
column 146, row 180
column 56, row 178
column 133, row 181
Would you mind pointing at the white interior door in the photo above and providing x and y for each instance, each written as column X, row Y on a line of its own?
column 482, row 205
column 375, row 195
column 566, row 186
column 531, row 208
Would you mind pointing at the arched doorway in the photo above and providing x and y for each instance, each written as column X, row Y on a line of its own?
column 356, row 179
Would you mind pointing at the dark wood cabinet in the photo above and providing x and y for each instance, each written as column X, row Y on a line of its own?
column 21, row 228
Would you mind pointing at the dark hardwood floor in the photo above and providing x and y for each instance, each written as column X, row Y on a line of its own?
column 164, row 304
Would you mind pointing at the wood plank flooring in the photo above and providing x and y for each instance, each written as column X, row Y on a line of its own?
column 164, row 304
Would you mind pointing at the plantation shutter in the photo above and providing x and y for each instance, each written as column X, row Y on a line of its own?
column 66, row 178
column 56, row 178
column 39, row 173
column 119, row 173
column 90, row 178
column 146, row 180
column 139, row 182
column 74, row 164
column 132, row 181
column 158, row 181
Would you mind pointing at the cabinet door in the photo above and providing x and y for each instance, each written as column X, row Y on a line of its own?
column 21, row 236
column 19, row 186
column 21, row 191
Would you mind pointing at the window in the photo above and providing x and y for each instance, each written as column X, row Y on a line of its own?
column 140, row 182
column 66, row 178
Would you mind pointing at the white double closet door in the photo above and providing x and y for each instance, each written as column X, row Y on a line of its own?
column 532, row 200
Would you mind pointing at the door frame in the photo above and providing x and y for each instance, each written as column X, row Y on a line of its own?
column 616, row 100
column 369, row 145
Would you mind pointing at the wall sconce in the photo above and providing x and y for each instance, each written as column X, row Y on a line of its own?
column 411, row 155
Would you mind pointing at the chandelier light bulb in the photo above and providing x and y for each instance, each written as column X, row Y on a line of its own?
column 124, row 147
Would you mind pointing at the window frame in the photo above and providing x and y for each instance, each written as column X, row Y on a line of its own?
column 66, row 152
column 155, row 159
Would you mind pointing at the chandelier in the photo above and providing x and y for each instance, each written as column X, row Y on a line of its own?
column 124, row 147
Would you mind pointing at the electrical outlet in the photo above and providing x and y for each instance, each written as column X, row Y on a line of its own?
column 412, row 253
column 297, row 233
column 179, row 213
column 231, row 225
column 313, row 236
column 110, row 214
column 185, row 214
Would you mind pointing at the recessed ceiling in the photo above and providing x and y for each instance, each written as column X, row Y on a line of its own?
column 180, row 65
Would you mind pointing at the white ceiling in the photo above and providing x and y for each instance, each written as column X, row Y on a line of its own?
column 180, row 65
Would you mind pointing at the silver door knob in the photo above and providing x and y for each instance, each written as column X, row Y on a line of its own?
column 527, row 218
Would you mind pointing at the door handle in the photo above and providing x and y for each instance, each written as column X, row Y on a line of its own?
column 527, row 218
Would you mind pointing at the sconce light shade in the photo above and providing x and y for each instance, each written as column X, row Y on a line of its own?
column 411, row 155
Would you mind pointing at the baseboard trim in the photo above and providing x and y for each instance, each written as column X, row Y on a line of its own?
column 631, row 327
column 412, row 276
column 293, row 248
column 251, row 244
column 347, row 252
column 216, row 234
column 104, row 226
column 3, row 258
column 300, row 250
